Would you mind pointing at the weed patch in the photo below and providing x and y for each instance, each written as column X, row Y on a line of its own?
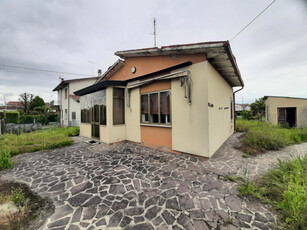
column 5, row 160
column 262, row 136
column 35, row 141
column 285, row 188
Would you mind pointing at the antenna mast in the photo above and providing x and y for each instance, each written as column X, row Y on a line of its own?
column 154, row 33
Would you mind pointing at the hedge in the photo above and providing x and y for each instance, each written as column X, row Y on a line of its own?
column 52, row 117
column 11, row 117
column 28, row 119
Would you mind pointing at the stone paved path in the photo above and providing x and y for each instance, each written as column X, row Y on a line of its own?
column 128, row 186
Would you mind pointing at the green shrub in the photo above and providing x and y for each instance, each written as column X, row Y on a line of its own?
column 41, row 119
column 72, row 131
column 27, row 119
column 5, row 160
column 52, row 117
column 11, row 117
column 19, row 197
column 247, row 115
column 1, row 115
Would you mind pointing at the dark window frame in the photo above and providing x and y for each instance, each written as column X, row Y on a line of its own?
column 66, row 93
column 122, row 99
column 159, row 108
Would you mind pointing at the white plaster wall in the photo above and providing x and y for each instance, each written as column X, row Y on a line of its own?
column 221, row 126
column 190, row 122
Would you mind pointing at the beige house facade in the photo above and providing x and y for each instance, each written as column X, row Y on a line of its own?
column 178, row 98
column 290, row 110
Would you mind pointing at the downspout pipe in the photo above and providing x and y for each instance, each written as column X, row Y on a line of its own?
column 234, row 106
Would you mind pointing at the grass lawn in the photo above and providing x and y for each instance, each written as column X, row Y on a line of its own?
column 262, row 136
column 12, row 144
column 285, row 188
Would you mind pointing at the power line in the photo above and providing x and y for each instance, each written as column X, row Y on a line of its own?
column 253, row 20
column 43, row 70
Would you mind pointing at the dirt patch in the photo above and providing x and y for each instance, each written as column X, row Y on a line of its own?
column 30, row 215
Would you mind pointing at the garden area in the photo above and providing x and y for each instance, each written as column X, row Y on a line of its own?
column 12, row 144
column 285, row 186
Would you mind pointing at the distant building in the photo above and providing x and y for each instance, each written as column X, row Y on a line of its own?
column 12, row 106
column 282, row 110
column 68, row 102
column 242, row 107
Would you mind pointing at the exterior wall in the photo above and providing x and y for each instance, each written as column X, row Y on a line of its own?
column 115, row 132
column 272, row 103
column 190, row 122
column 86, row 130
column 145, row 65
column 63, row 103
column 70, row 104
column 156, row 136
column 74, row 107
column 221, row 125
column 132, row 117
column 76, row 85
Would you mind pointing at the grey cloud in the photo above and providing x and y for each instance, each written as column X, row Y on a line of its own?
column 64, row 35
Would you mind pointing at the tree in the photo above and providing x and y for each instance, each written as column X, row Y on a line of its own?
column 258, row 107
column 26, row 100
column 37, row 102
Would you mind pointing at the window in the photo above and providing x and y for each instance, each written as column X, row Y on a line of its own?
column 118, row 106
column 73, row 115
column 144, row 108
column 65, row 114
column 93, row 108
column 66, row 93
column 155, row 108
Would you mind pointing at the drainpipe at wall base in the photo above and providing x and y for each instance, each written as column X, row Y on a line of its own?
column 234, row 106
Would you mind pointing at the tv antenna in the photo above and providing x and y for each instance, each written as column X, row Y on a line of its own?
column 154, row 33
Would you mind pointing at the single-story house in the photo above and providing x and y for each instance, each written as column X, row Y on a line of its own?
column 176, row 97
column 282, row 110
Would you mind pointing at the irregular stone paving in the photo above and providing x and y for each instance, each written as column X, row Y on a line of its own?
column 128, row 186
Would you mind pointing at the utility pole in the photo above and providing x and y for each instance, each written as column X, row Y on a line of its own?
column 154, row 33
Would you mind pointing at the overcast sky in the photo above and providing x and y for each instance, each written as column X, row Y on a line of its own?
column 65, row 35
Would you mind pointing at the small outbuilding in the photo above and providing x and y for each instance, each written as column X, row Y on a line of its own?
column 286, row 110
column 176, row 97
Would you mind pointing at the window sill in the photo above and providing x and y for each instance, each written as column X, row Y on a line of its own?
column 156, row 125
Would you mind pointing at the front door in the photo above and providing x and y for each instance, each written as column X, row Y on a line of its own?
column 95, row 121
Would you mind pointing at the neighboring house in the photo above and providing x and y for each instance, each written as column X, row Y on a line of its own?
column 242, row 107
column 68, row 102
column 12, row 106
column 291, row 110
column 176, row 97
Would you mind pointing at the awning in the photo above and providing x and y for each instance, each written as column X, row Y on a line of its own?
column 99, row 86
